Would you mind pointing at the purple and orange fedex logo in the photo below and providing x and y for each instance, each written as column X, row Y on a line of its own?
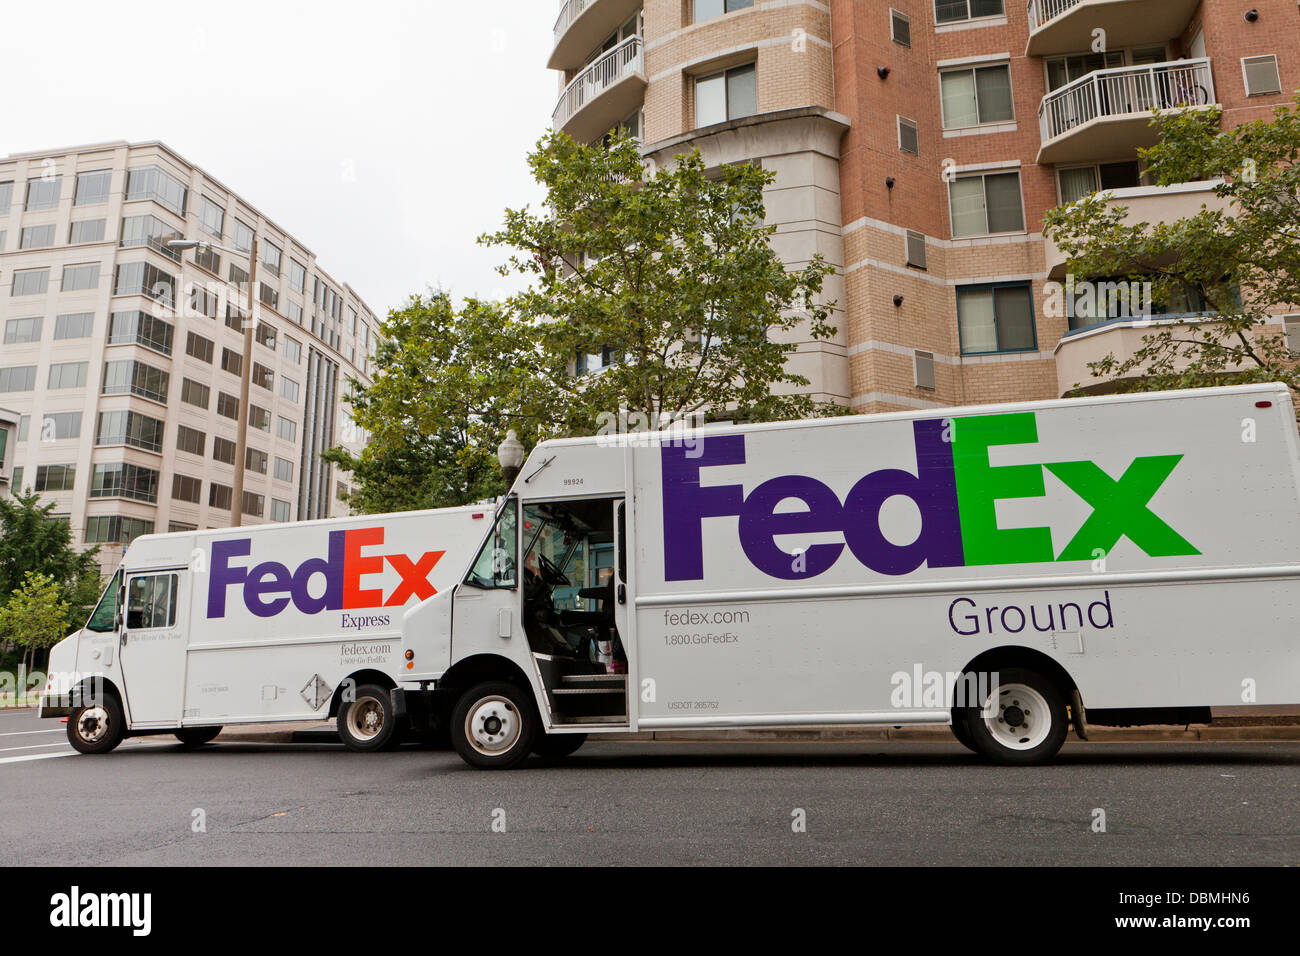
column 269, row 587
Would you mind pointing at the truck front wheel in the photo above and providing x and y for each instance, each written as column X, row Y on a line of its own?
column 368, row 723
column 1023, row 723
column 97, row 728
column 494, row 726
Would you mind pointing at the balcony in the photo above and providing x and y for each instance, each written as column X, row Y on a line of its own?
column 603, row 94
column 1151, row 204
column 583, row 25
column 1066, row 26
column 1107, row 113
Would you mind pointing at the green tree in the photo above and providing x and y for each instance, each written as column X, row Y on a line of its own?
column 35, row 615
column 670, row 273
column 1242, row 261
column 31, row 540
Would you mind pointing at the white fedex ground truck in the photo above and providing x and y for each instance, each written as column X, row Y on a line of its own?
column 1003, row 569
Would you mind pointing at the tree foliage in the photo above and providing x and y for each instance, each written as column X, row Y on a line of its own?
column 1242, row 261
column 35, row 615
column 32, row 541
column 668, row 272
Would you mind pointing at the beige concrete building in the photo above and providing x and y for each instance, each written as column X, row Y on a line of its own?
column 917, row 146
column 120, row 359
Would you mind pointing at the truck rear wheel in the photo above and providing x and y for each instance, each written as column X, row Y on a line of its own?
column 368, row 723
column 558, row 746
column 494, row 726
column 1024, row 721
column 98, row 727
column 197, row 736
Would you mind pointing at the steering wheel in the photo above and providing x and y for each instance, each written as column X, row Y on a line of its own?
column 551, row 574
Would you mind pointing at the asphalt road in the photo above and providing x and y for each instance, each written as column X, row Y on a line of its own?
column 646, row 803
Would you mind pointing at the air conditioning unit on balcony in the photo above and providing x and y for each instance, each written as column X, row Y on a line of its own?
column 1291, row 328
column 923, row 368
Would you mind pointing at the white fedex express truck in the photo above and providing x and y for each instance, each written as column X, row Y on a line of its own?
column 1006, row 570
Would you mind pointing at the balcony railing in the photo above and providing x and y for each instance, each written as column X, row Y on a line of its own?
column 1124, row 92
column 571, row 10
column 1040, row 11
column 623, row 60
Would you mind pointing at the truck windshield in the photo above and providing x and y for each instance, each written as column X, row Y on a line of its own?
column 104, row 617
column 495, row 565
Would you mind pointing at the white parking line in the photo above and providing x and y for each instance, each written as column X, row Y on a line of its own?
column 5, row 750
column 63, row 753
column 28, row 733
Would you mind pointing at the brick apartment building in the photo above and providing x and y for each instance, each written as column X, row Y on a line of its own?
column 917, row 145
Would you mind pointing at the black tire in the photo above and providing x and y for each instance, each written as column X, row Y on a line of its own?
column 505, row 725
column 961, row 727
column 98, row 727
column 197, row 736
column 1030, row 724
column 557, row 746
column 368, row 723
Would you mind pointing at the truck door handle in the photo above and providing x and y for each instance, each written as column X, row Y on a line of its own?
column 622, row 594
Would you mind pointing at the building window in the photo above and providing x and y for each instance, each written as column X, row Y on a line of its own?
column 196, row 346
column 289, row 388
column 297, row 275
column 340, row 491
column 281, row 510
column 286, row 429
column 283, row 469
column 55, row 478
column 36, row 237
column 181, row 526
column 255, row 460
column 235, row 319
column 208, row 260
column 996, row 318
column 908, row 139
column 271, row 256
column 67, row 375
column 43, row 193
column 144, row 278
column 18, row 478
column 259, row 418
column 87, row 230
column 243, row 236
column 212, row 217
column 269, row 297
column 227, row 406
column 124, row 480
column 93, row 188
column 708, row 9
column 135, row 378
column 986, row 204
column 60, row 426
column 916, row 249
column 192, row 393
column 74, row 325
column 151, row 183
column 254, row 504
column 726, row 96
column 239, row 277
column 129, row 428
column 900, row 28
column 18, row 331
column 265, row 335
column 954, row 11
column 975, row 96
column 6, row 197
column 80, row 278
column 1261, row 75
column 231, row 361
column 30, row 282
column 262, row 377
column 295, row 312
column 150, row 232
column 1079, row 182
column 223, row 450
column 219, row 496
column 190, row 440
column 185, row 488
column 18, row 378
column 115, row 529
column 140, row 328
column 292, row 349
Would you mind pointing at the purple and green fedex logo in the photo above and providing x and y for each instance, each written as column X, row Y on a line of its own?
column 954, row 488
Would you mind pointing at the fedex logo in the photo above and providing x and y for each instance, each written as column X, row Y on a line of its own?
column 954, row 487
column 270, row 586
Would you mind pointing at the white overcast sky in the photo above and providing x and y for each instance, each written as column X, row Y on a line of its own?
column 385, row 135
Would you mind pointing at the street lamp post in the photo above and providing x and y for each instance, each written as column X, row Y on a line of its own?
column 245, row 371
column 510, row 454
